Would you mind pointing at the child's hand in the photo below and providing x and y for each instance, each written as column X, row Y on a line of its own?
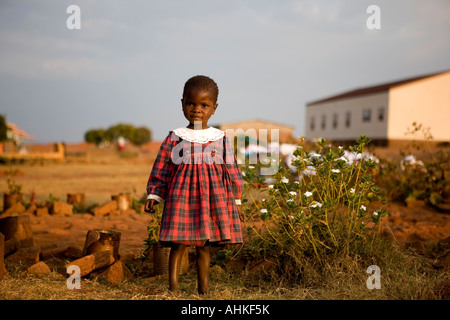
column 149, row 204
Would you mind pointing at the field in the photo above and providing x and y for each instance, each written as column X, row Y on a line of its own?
column 417, row 234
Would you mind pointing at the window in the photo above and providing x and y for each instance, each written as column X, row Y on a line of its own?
column 324, row 120
column 367, row 114
column 348, row 118
column 381, row 114
column 312, row 124
column 335, row 121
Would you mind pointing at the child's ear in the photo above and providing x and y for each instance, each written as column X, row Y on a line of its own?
column 215, row 107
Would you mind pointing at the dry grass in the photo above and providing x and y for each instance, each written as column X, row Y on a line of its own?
column 403, row 275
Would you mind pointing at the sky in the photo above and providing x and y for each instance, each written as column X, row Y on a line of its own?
column 129, row 60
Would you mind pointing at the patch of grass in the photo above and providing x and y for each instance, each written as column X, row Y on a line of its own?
column 404, row 276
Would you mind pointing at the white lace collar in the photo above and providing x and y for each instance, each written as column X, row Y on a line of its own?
column 199, row 136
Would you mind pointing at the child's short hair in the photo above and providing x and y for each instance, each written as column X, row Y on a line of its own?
column 202, row 83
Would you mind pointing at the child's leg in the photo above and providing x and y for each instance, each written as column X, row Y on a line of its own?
column 175, row 258
column 203, row 260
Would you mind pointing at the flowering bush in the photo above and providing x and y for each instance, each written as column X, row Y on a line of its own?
column 423, row 174
column 327, row 206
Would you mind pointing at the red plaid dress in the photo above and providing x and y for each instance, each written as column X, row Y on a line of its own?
column 199, row 183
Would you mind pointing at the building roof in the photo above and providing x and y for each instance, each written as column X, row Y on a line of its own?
column 373, row 89
column 15, row 131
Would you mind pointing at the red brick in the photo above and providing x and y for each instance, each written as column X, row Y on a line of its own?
column 105, row 208
column 62, row 209
column 117, row 272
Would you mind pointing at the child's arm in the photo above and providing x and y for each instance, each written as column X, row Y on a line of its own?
column 234, row 171
column 160, row 176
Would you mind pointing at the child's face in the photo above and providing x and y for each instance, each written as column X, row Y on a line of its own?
column 198, row 106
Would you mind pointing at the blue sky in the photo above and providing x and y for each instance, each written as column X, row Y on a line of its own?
column 130, row 59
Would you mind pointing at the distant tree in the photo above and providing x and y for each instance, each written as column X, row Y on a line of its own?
column 96, row 136
column 120, row 130
column 137, row 136
column 141, row 136
column 3, row 128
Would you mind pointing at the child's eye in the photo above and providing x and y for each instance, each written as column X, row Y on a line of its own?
column 205, row 105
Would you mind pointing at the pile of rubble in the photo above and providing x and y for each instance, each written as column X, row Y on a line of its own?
column 119, row 205
column 99, row 258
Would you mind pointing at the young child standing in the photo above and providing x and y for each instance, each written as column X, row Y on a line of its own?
column 196, row 174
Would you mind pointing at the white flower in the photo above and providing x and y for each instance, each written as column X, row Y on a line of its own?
column 291, row 217
column 263, row 210
column 263, row 200
column 352, row 190
column 243, row 174
column 316, row 204
column 296, row 182
column 310, row 171
column 289, row 200
column 308, row 194
column 363, row 207
column 251, row 167
column 335, row 170
column 375, row 213
column 343, row 159
column 270, row 186
column 293, row 193
column 285, row 180
column 340, row 147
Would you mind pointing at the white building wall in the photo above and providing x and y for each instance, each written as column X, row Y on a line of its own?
column 425, row 101
column 355, row 106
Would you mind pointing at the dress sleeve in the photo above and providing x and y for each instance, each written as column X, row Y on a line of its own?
column 161, row 173
column 233, row 170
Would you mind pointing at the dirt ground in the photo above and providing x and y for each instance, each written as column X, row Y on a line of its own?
column 417, row 227
column 71, row 231
column 100, row 174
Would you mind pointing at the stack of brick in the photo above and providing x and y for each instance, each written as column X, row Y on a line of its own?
column 114, row 207
column 56, row 208
column 61, row 209
column 17, row 243
column 103, row 261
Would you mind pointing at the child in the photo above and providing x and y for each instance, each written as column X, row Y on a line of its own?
column 196, row 174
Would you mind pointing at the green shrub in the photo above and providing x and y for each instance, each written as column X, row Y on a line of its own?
column 423, row 173
column 331, row 206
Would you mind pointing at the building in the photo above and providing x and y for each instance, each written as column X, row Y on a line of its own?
column 383, row 112
column 252, row 128
column 15, row 137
